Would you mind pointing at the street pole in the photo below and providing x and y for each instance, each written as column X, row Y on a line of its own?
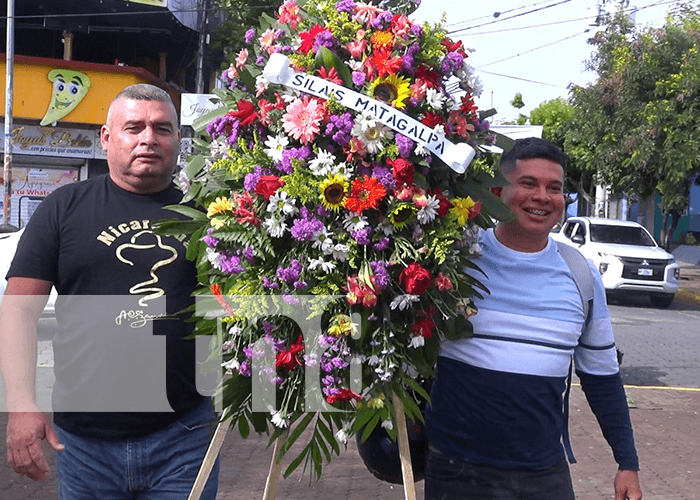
column 204, row 19
column 9, row 84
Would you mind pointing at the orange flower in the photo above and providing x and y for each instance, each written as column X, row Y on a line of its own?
column 383, row 40
column 366, row 193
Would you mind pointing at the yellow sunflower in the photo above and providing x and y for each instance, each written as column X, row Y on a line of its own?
column 333, row 192
column 222, row 204
column 401, row 214
column 392, row 89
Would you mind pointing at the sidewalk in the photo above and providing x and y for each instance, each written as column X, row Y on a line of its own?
column 666, row 425
column 666, row 429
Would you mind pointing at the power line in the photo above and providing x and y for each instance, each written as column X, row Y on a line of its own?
column 495, row 14
column 560, row 2
column 532, row 50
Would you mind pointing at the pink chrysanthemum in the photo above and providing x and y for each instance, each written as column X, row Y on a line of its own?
column 303, row 119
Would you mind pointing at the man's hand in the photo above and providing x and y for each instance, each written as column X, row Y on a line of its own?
column 627, row 485
column 25, row 431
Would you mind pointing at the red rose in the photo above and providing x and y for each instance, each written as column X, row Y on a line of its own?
column 402, row 170
column 267, row 185
column 246, row 112
column 415, row 279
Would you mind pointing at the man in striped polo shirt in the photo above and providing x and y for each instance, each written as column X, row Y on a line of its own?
column 497, row 424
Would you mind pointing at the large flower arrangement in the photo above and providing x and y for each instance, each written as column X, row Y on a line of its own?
column 307, row 197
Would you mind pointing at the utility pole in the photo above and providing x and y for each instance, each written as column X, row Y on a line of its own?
column 9, row 84
column 204, row 20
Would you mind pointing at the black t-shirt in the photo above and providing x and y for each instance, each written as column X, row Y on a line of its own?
column 122, row 363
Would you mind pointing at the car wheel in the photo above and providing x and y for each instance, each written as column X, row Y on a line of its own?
column 661, row 299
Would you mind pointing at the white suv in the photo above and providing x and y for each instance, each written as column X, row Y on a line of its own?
column 628, row 258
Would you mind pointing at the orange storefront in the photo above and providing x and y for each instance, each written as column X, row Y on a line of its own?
column 58, row 109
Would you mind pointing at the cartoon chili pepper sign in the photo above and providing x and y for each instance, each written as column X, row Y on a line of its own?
column 69, row 88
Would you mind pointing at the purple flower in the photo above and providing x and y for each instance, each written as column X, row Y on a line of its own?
column 381, row 275
column 251, row 180
column 362, row 236
column 231, row 263
column 339, row 363
column 382, row 244
column 452, row 61
column 300, row 284
column 290, row 154
column 405, row 145
column 382, row 20
column 249, row 35
column 249, row 255
column 210, row 241
column 417, row 30
column 291, row 273
column 269, row 284
column 339, row 128
column 245, row 369
column 384, row 176
column 358, row 78
column 290, row 299
column 325, row 39
column 248, row 351
column 306, row 227
column 345, row 6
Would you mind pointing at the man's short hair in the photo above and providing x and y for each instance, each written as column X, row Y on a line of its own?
column 143, row 92
column 531, row 147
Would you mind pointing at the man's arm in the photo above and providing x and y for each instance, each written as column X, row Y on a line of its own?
column 22, row 305
column 606, row 397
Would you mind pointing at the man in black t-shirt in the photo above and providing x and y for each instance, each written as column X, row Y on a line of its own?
column 127, row 414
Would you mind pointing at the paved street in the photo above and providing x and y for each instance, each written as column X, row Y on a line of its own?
column 661, row 348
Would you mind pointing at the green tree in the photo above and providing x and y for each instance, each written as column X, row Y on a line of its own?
column 636, row 127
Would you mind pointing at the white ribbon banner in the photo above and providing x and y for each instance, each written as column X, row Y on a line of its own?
column 457, row 156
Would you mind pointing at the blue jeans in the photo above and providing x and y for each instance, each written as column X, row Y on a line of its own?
column 451, row 479
column 160, row 466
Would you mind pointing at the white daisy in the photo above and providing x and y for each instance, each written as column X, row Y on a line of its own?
column 354, row 222
column 371, row 133
column 435, row 98
column 341, row 169
column 218, row 149
column 280, row 202
column 275, row 146
column 322, row 164
column 275, row 227
column 428, row 213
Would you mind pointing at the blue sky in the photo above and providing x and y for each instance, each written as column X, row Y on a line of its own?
column 535, row 47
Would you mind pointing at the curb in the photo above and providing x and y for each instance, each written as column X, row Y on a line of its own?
column 688, row 296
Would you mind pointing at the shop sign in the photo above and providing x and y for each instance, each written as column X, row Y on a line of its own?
column 192, row 106
column 53, row 141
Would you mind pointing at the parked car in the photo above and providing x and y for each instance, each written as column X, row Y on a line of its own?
column 8, row 247
column 627, row 256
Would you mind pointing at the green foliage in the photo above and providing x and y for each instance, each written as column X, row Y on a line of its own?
column 517, row 101
column 636, row 128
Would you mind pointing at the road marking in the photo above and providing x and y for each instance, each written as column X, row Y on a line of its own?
column 656, row 387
